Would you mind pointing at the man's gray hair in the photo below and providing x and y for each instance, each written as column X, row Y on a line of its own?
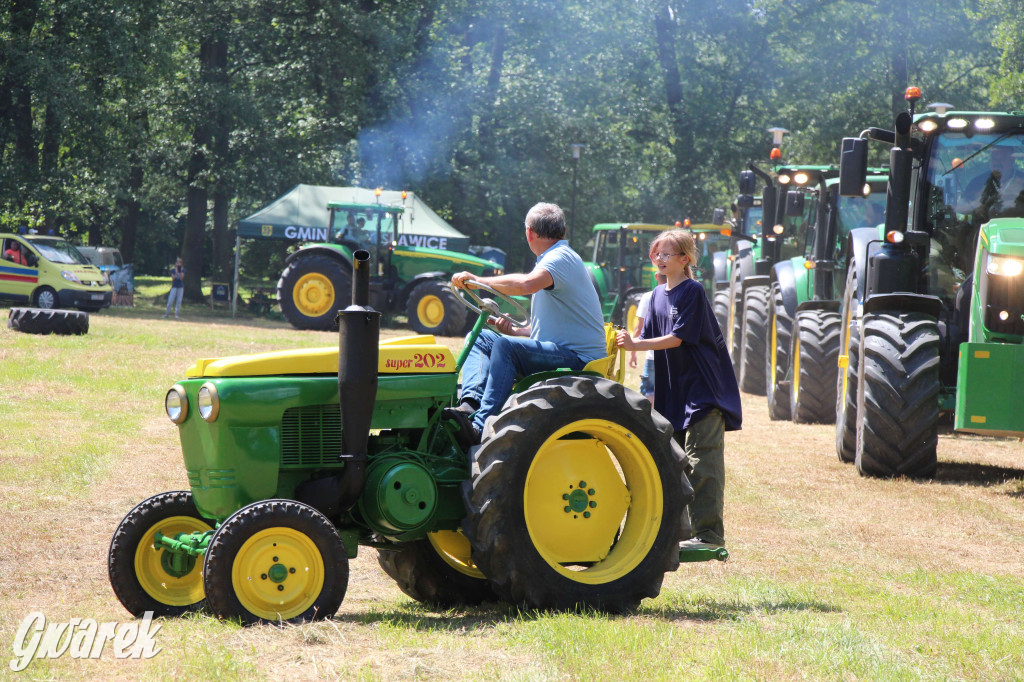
column 547, row 221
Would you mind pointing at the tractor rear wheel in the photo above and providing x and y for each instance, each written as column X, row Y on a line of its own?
column 312, row 290
column 143, row 577
column 898, row 396
column 720, row 304
column 815, row 354
column 432, row 308
column 274, row 561
column 437, row 570
column 577, row 497
column 755, row 328
column 846, row 379
column 777, row 360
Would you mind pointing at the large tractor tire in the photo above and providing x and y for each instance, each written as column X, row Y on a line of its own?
column 48, row 321
column 432, row 308
column 734, row 327
column 577, row 497
column 755, row 334
column 312, row 290
column 780, row 332
column 143, row 577
column 438, row 570
column 275, row 561
column 898, row 396
column 720, row 304
column 846, row 378
column 815, row 354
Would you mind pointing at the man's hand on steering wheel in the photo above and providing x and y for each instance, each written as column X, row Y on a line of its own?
column 459, row 279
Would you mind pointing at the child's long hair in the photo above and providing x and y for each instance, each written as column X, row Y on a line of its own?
column 680, row 241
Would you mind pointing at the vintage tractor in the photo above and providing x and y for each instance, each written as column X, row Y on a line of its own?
column 404, row 279
column 806, row 291
column 933, row 316
column 575, row 497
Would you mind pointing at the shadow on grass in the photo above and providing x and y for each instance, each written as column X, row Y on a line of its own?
column 709, row 610
column 970, row 473
column 423, row 617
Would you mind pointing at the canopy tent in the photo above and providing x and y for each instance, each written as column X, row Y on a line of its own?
column 301, row 215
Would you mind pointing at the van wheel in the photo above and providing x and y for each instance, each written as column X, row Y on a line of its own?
column 45, row 298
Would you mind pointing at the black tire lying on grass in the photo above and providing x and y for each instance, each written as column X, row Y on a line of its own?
column 48, row 321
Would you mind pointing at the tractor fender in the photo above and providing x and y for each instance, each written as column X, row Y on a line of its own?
column 904, row 303
column 857, row 246
column 754, row 281
column 783, row 274
column 336, row 251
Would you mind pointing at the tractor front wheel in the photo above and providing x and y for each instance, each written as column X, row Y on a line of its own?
column 720, row 304
column 437, row 570
column 754, row 335
column 433, row 309
column 577, row 497
column 312, row 290
column 815, row 354
column 777, row 360
column 846, row 378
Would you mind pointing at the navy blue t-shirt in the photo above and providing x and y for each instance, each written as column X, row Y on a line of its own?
column 696, row 376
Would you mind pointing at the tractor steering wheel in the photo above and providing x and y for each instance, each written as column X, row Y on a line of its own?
column 489, row 306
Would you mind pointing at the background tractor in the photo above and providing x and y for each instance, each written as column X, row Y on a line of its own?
column 933, row 319
column 405, row 279
column 575, row 497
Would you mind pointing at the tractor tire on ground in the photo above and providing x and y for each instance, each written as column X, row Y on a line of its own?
column 777, row 360
column 846, row 377
column 898, row 396
column 438, row 571
column 755, row 334
column 720, row 304
column 276, row 561
column 312, row 290
column 815, row 354
column 577, row 497
column 432, row 308
column 140, row 574
column 48, row 321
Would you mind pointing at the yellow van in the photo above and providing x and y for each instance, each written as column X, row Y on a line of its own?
column 48, row 272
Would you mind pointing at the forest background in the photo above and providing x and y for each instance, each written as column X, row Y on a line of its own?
column 154, row 125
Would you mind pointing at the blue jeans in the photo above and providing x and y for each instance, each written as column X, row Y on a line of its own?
column 647, row 378
column 174, row 300
column 495, row 362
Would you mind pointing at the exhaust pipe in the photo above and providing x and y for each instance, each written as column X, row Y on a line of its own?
column 358, row 338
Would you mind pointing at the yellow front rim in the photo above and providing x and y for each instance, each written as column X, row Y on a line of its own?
column 278, row 573
column 631, row 317
column 313, row 294
column 453, row 548
column 796, row 366
column 149, row 569
column 593, row 506
column 846, row 353
column 430, row 311
column 775, row 352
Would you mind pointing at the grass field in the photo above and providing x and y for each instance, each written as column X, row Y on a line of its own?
column 831, row 576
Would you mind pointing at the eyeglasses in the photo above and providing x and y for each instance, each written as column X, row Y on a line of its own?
column 663, row 256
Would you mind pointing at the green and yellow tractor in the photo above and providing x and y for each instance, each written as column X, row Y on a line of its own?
column 576, row 496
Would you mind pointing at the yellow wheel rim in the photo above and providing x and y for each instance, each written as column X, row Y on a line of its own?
column 796, row 366
column 313, row 294
column 430, row 311
column 631, row 317
column 593, row 506
column 278, row 573
column 453, row 547
column 773, row 377
column 154, row 578
column 846, row 354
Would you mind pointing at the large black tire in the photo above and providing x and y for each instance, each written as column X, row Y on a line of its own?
column 898, row 396
column 432, row 308
column 46, row 298
column 577, row 497
column 312, row 290
column 846, row 377
column 755, row 334
column 438, row 571
column 777, row 361
column 141, row 577
column 815, row 354
column 720, row 304
column 275, row 561
column 48, row 321
column 734, row 325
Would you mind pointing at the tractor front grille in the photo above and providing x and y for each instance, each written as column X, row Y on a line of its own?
column 310, row 436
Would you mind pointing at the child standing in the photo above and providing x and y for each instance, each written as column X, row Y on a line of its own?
column 694, row 386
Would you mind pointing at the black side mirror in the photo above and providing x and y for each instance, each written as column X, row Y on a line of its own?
column 794, row 203
column 747, row 180
column 718, row 216
column 853, row 167
column 745, row 200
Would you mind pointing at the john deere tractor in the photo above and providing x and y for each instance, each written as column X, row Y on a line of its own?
column 404, row 279
column 576, row 495
column 806, row 291
column 620, row 267
column 933, row 317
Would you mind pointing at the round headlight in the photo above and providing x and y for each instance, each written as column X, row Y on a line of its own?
column 176, row 404
column 208, row 402
column 800, row 178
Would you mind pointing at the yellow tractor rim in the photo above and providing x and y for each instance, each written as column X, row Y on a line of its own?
column 796, row 366
column 846, row 353
column 593, row 506
column 453, row 548
column 631, row 317
column 278, row 573
column 313, row 294
column 430, row 311
column 772, row 377
column 149, row 569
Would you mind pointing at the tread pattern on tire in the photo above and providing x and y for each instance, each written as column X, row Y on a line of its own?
column 337, row 272
column 815, row 400
column 48, row 321
column 423, row 575
column 455, row 313
column 754, row 339
column 777, row 387
column 846, row 405
column 720, row 304
column 898, row 396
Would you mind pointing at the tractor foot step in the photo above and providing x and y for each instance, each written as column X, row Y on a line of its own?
column 703, row 554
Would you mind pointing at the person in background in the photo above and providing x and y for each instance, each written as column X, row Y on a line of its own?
column 694, row 386
column 177, row 289
column 647, row 374
column 14, row 254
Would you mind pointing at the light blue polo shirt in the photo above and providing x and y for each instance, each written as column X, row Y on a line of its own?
column 568, row 313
